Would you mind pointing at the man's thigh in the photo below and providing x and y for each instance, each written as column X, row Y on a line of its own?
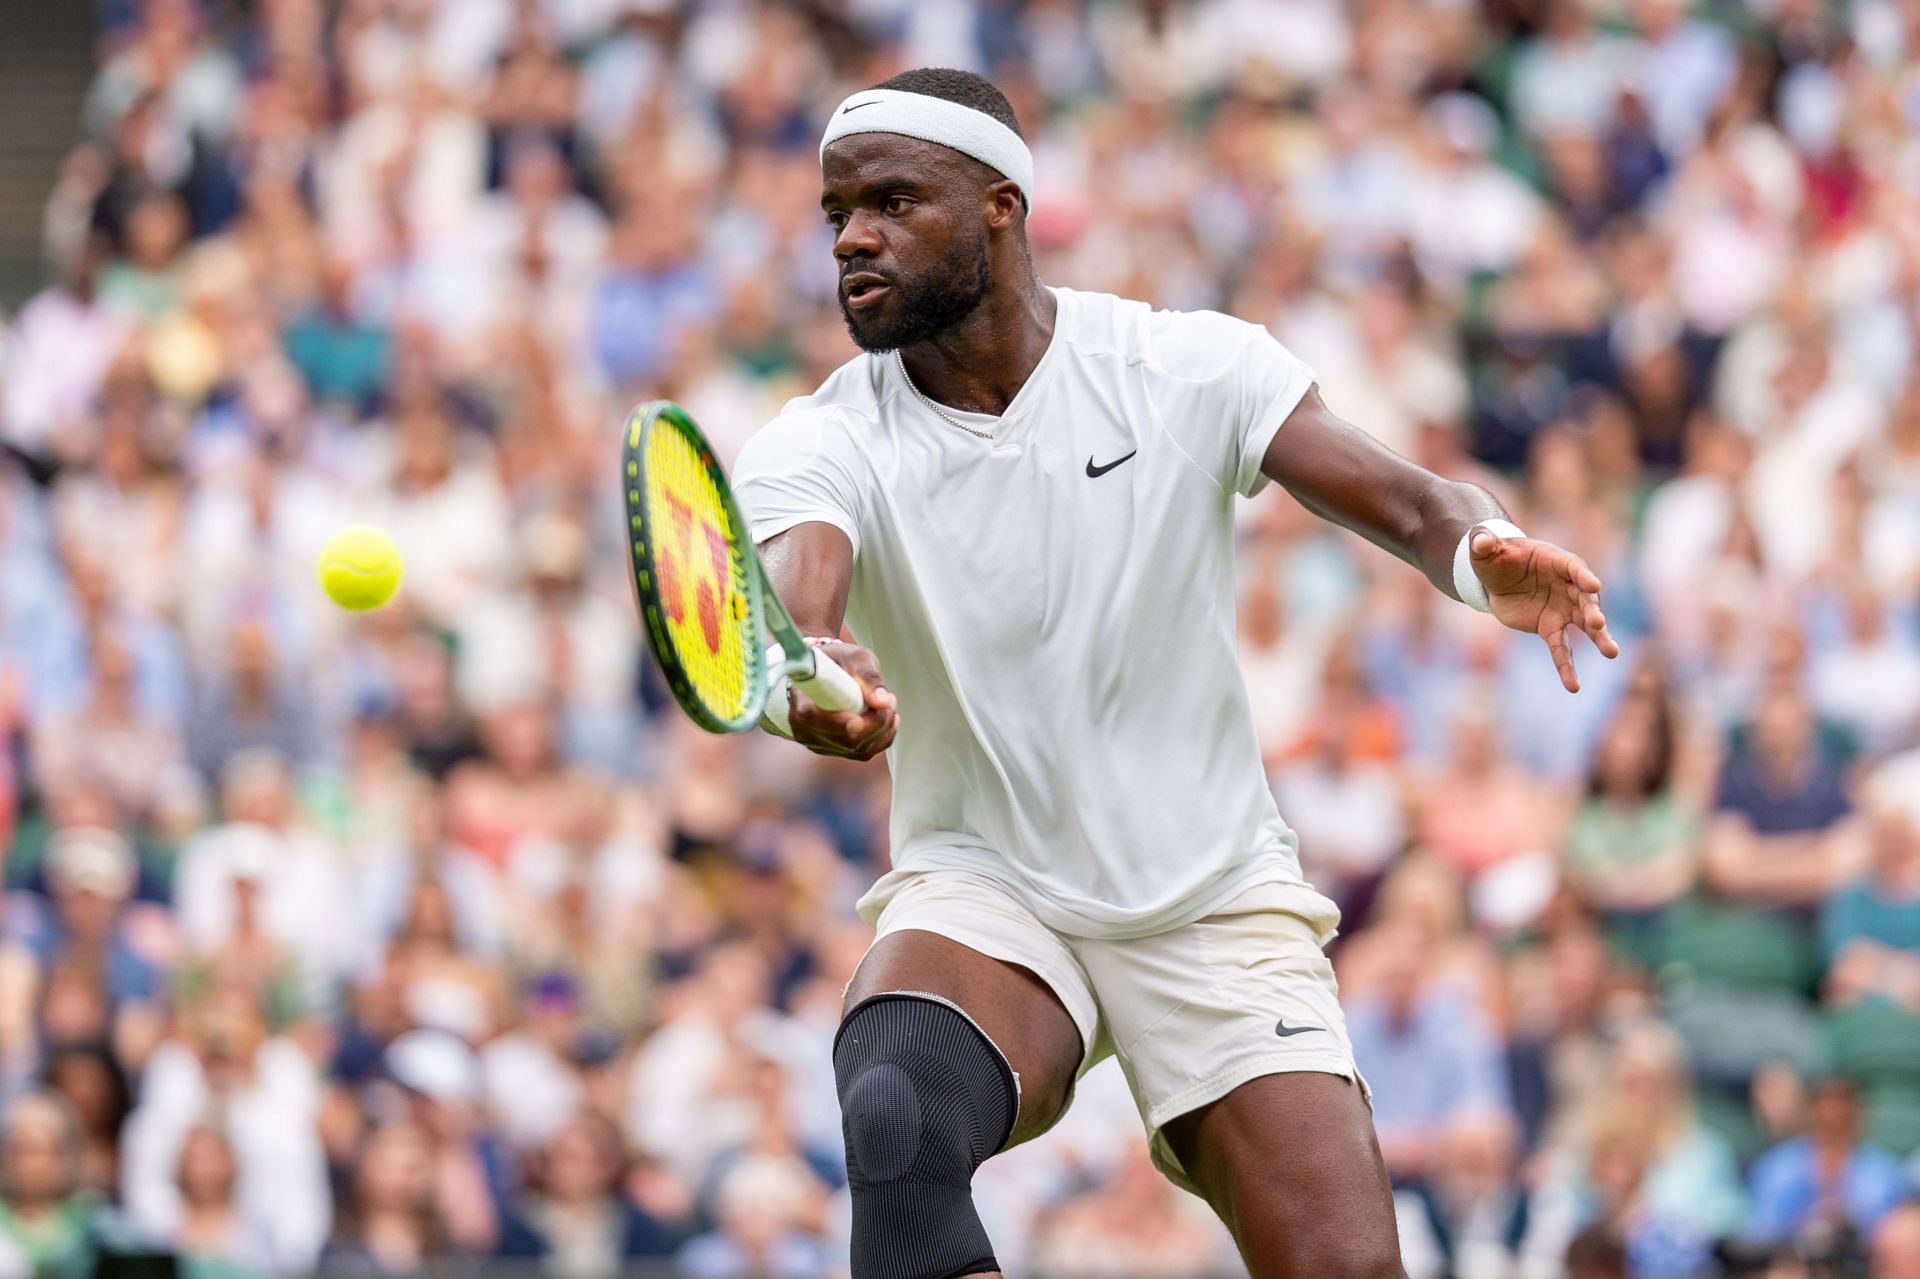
column 1016, row 994
column 1232, row 1036
column 1290, row 1163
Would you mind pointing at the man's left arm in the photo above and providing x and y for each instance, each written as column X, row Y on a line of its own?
column 1344, row 475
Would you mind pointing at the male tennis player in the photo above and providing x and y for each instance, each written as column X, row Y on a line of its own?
column 1019, row 499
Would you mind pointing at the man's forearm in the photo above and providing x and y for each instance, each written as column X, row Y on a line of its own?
column 1423, row 526
column 1347, row 477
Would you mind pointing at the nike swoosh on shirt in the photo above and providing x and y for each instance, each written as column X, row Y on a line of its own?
column 1095, row 472
column 1287, row 1032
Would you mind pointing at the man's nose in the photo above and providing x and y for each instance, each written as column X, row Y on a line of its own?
column 859, row 237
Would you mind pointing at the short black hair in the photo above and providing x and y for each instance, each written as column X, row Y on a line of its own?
column 955, row 85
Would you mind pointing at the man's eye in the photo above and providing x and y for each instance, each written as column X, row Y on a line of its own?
column 898, row 204
column 836, row 219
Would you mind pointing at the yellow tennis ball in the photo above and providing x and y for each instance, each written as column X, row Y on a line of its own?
column 360, row 567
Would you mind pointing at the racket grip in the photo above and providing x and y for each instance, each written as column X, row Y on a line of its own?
column 830, row 687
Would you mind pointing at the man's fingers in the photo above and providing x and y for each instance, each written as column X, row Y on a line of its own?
column 1485, row 544
column 1563, row 658
column 854, row 726
column 1596, row 628
column 1593, row 620
column 1582, row 576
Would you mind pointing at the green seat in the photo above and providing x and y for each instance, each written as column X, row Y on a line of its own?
column 1893, row 1117
column 1875, row 1042
column 1715, row 944
column 1731, row 1033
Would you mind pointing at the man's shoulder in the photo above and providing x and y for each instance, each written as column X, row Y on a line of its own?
column 840, row 414
column 853, row 391
column 1188, row 345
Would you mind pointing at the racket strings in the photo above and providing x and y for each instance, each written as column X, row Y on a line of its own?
column 701, row 574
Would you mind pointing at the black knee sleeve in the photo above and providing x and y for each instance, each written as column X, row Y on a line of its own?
column 925, row 1097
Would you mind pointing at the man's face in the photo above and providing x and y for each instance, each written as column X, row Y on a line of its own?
column 909, row 239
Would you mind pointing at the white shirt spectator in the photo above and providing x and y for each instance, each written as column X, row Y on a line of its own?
column 1350, row 819
column 1569, row 84
column 52, row 363
column 1682, row 69
column 297, row 876
column 1870, row 683
column 272, row 1119
column 532, row 1092
column 673, row 1111
column 456, row 537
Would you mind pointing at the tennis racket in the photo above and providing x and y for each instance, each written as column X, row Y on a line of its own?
column 703, row 594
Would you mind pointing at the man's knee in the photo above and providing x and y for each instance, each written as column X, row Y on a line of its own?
column 925, row 1098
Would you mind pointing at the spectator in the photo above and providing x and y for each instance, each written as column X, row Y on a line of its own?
column 226, row 1062
column 1869, row 684
column 440, row 1079
column 61, row 345
column 1870, row 927
column 559, row 638
column 1781, row 835
column 768, row 1210
column 1668, row 1177
column 211, row 1230
column 688, row 1101
column 575, row 1221
column 1470, row 1214
column 89, row 1080
column 529, row 1074
column 1347, row 809
column 514, row 790
column 389, row 883
column 1430, row 1057
column 1480, row 810
column 250, row 703
column 47, row 1220
column 389, row 1225
column 262, row 875
column 1632, row 849
column 1565, row 1015
column 128, row 747
column 1828, row 1183
column 1278, row 655
column 92, row 944
column 1135, row 1223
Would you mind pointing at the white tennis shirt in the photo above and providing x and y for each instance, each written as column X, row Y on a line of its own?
column 1054, row 609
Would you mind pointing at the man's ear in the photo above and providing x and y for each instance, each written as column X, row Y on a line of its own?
column 1005, row 205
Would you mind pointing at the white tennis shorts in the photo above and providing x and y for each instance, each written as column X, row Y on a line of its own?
column 1192, row 1013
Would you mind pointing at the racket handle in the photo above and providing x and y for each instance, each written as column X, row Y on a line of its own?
column 830, row 687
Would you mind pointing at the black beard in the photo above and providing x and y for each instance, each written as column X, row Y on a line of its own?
column 925, row 307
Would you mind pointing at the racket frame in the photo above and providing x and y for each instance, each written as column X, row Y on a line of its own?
column 811, row 670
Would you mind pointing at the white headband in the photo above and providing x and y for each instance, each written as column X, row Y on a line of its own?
column 916, row 115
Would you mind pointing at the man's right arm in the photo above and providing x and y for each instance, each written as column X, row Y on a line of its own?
column 810, row 566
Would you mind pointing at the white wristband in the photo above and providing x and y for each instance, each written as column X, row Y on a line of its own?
column 774, row 718
column 777, row 715
column 1466, row 583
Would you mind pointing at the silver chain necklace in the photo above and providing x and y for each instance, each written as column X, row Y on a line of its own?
column 941, row 413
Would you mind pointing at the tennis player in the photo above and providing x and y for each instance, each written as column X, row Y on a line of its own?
column 1019, row 500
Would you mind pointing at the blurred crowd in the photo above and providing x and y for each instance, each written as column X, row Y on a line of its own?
column 363, row 942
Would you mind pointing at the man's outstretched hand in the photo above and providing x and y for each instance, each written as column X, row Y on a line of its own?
column 1539, row 587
